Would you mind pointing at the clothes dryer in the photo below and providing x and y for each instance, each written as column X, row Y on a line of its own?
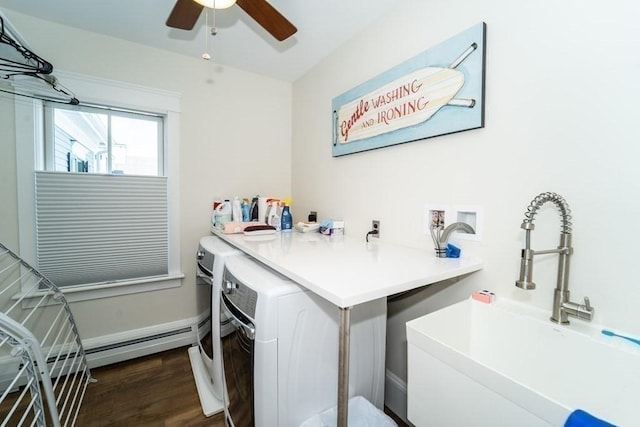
column 281, row 362
column 206, row 361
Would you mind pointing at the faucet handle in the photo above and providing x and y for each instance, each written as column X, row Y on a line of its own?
column 581, row 311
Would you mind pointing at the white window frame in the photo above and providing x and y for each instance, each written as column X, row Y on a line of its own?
column 30, row 157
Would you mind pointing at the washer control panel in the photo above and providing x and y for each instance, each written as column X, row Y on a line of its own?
column 242, row 297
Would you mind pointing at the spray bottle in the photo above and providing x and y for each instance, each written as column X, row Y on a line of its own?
column 273, row 218
column 287, row 219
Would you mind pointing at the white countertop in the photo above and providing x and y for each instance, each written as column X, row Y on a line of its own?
column 346, row 270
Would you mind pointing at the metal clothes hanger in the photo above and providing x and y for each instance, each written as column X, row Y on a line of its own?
column 27, row 63
column 32, row 63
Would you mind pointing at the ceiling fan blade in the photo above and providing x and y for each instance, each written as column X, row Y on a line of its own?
column 184, row 15
column 269, row 18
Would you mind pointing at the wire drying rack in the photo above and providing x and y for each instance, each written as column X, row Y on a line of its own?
column 43, row 368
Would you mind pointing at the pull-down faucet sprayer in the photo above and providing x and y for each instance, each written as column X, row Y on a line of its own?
column 562, row 306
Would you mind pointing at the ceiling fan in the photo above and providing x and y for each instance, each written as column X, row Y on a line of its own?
column 185, row 13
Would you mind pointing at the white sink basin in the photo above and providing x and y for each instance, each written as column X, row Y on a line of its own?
column 507, row 363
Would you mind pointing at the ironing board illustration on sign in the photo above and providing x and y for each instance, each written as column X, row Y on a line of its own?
column 397, row 106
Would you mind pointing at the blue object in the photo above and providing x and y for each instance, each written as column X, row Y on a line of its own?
column 245, row 211
column 453, row 251
column 613, row 334
column 286, row 220
column 580, row 418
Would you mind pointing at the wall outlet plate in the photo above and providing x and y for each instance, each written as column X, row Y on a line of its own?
column 472, row 215
column 437, row 214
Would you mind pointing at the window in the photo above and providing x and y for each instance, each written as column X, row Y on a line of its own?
column 102, row 140
column 100, row 184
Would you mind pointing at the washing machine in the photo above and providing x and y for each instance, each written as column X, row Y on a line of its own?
column 280, row 363
column 205, row 358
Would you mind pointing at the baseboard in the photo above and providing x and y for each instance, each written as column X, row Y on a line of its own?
column 395, row 395
column 114, row 348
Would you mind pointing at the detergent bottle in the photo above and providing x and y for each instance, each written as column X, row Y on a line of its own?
column 214, row 214
column 253, row 210
column 244, row 206
column 222, row 213
column 286, row 220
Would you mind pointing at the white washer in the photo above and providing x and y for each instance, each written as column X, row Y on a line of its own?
column 281, row 362
column 207, row 368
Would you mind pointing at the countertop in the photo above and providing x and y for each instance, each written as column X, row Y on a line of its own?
column 346, row 270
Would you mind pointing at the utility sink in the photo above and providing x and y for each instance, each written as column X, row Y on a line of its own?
column 505, row 363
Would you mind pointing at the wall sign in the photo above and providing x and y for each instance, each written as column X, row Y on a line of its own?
column 437, row 92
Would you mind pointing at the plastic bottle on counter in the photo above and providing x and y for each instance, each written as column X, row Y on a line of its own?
column 223, row 213
column 236, row 210
column 244, row 206
column 267, row 215
column 214, row 214
column 286, row 220
column 253, row 209
column 273, row 218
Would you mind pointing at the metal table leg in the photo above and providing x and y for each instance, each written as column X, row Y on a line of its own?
column 343, row 366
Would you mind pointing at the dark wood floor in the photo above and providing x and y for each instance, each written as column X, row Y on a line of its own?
column 157, row 390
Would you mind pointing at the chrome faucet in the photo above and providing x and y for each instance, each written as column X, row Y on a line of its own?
column 562, row 306
column 441, row 237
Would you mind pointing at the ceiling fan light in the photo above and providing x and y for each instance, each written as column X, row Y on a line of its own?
column 219, row 4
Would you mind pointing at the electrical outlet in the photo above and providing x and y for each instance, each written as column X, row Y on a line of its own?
column 375, row 225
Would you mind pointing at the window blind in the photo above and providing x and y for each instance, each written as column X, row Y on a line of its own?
column 94, row 228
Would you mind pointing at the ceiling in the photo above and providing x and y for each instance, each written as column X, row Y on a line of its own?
column 322, row 25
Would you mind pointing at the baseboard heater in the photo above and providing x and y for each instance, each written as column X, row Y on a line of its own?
column 141, row 342
column 144, row 342
column 133, row 342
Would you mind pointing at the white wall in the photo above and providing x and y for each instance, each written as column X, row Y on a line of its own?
column 235, row 140
column 561, row 116
column 8, row 189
